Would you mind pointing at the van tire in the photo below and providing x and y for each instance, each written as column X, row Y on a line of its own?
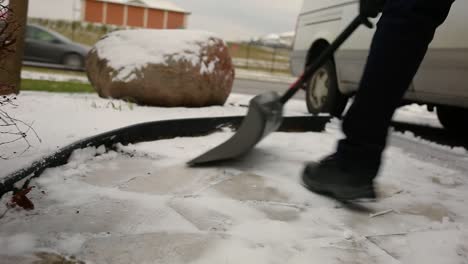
column 454, row 119
column 322, row 93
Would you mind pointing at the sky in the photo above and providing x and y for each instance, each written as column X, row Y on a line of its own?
column 242, row 19
column 232, row 20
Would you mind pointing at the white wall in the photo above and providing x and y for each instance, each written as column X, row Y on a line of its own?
column 55, row 9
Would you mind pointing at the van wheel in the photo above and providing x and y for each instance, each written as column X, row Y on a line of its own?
column 454, row 119
column 322, row 93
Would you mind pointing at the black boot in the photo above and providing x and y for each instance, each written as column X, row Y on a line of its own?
column 341, row 179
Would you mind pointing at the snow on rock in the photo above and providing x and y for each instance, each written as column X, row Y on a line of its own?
column 162, row 67
column 132, row 50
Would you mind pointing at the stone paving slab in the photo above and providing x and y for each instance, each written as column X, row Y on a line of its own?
column 143, row 209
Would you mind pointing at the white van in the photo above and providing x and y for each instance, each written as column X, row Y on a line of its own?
column 441, row 82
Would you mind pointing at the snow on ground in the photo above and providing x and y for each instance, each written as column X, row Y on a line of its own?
column 240, row 74
column 57, row 77
column 60, row 119
column 417, row 114
column 265, row 63
column 143, row 205
column 264, row 76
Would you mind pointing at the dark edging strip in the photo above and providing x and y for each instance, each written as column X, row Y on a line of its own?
column 152, row 131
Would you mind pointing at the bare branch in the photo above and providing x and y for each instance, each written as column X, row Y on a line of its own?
column 13, row 129
column 8, row 29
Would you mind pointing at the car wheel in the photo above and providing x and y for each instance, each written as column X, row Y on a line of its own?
column 322, row 93
column 73, row 61
column 454, row 119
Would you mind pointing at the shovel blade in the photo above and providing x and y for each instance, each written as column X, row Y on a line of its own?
column 264, row 116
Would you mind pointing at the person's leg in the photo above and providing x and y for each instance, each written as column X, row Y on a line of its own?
column 399, row 45
column 403, row 34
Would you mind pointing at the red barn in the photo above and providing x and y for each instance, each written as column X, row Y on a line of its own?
column 158, row 14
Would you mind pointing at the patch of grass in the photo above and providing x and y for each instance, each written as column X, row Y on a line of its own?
column 56, row 87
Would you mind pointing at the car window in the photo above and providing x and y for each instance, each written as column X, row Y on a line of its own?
column 30, row 32
column 39, row 34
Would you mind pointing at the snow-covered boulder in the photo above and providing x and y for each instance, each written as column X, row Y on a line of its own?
column 162, row 67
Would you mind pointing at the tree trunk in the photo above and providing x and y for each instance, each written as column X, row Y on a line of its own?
column 10, row 65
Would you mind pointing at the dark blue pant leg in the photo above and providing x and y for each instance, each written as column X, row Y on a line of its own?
column 403, row 34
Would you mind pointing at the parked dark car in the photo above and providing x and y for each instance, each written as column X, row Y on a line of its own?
column 47, row 46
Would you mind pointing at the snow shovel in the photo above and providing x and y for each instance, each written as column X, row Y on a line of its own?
column 265, row 112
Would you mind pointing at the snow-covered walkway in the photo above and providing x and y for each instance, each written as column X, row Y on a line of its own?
column 143, row 205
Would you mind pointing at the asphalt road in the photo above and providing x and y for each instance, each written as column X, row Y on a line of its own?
column 257, row 87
